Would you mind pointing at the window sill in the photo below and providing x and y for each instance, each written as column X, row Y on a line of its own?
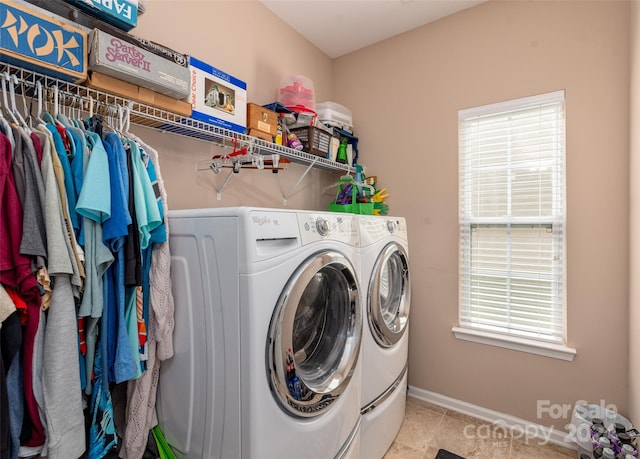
column 556, row 351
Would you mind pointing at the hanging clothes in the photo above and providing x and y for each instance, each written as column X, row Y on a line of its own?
column 141, row 414
column 33, row 244
column 61, row 390
column 119, row 361
column 82, row 236
column 16, row 274
column 67, row 177
column 94, row 204
column 11, row 386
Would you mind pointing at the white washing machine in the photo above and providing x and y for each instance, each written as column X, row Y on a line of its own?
column 384, row 258
column 267, row 338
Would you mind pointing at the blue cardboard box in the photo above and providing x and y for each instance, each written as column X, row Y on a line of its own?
column 34, row 40
column 218, row 98
column 120, row 13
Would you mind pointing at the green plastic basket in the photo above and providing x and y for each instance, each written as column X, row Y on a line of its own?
column 355, row 207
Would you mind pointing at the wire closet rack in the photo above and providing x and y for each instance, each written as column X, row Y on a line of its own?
column 162, row 120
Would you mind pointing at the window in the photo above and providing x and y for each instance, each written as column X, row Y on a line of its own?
column 512, row 219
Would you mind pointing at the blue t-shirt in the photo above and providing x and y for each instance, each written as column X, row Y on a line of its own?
column 116, row 225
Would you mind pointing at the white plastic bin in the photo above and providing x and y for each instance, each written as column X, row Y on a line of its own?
column 583, row 415
column 334, row 114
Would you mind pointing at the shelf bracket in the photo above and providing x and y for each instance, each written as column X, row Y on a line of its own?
column 224, row 183
column 295, row 185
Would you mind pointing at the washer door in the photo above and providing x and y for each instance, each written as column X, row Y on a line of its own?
column 389, row 295
column 315, row 334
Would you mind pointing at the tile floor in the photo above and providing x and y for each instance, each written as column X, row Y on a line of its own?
column 427, row 428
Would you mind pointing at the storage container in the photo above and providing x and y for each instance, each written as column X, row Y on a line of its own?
column 261, row 119
column 131, row 91
column 37, row 41
column 121, row 59
column 120, row 13
column 150, row 46
column 260, row 135
column 348, row 185
column 217, row 97
column 335, row 115
column 314, row 140
column 297, row 91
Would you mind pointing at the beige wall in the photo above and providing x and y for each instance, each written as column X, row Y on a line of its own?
column 405, row 94
column 634, row 272
column 246, row 40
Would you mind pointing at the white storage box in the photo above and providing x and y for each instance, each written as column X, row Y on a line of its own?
column 336, row 115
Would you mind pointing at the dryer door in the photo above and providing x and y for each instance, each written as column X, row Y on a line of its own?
column 314, row 335
column 389, row 295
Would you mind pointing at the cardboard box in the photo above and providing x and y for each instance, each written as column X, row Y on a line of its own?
column 261, row 119
column 150, row 46
column 113, row 56
column 37, row 41
column 120, row 13
column 121, row 88
column 261, row 135
column 217, row 97
column 62, row 11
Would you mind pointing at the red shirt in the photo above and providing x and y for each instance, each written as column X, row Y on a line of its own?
column 15, row 272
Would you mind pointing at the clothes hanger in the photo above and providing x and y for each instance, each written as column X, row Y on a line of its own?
column 110, row 118
column 62, row 116
column 39, row 106
column 26, row 110
column 47, row 117
column 5, row 101
column 77, row 120
column 13, row 81
column 127, row 119
column 121, row 120
column 2, row 108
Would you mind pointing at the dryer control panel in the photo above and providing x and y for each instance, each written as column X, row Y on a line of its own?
column 320, row 226
column 377, row 228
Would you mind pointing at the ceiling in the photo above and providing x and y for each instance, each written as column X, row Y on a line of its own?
column 339, row 27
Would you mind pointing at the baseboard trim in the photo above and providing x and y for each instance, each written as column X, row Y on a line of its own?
column 511, row 423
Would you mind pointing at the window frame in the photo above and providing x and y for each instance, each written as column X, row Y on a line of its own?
column 552, row 345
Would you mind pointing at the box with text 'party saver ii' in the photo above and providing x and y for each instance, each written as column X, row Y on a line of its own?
column 218, row 98
column 120, row 59
column 34, row 40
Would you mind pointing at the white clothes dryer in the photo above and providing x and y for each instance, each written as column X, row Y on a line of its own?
column 267, row 335
column 384, row 258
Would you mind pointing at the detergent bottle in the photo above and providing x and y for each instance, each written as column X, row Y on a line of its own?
column 362, row 191
column 342, row 151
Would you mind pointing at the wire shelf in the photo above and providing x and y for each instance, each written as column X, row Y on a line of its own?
column 162, row 120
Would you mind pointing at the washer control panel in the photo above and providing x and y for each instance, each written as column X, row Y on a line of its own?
column 322, row 225
column 316, row 227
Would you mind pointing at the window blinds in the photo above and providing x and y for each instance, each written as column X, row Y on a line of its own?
column 512, row 217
